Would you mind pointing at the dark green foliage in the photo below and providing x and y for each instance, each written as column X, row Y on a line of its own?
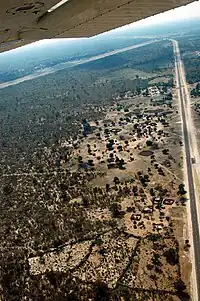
column 182, row 190
column 116, row 180
column 154, row 237
column 152, row 193
column 149, row 143
column 196, row 91
column 115, row 208
column 188, row 47
column 8, row 189
column 107, row 187
column 171, row 256
column 180, row 287
column 102, row 292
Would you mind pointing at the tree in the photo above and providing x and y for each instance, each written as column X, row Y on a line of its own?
column 152, row 193
column 182, row 190
column 171, row 256
column 90, row 162
column 85, row 200
column 116, row 180
column 107, row 187
column 121, row 164
column 102, row 292
column 179, row 285
column 8, row 189
column 149, row 143
column 115, row 208
column 80, row 159
column 138, row 91
column 135, row 189
column 156, row 261
column 165, row 151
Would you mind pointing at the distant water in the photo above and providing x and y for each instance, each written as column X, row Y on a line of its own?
column 70, row 64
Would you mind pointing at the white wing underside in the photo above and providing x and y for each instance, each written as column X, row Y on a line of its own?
column 26, row 21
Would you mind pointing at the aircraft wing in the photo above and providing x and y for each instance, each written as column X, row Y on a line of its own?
column 26, row 21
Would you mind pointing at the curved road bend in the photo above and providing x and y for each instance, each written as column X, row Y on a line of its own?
column 192, row 193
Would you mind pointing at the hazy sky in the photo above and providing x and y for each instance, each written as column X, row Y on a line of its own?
column 185, row 12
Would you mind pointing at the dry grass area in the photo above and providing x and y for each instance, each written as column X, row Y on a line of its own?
column 163, row 79
column 143, row 272
column 67, row 259
column 108, row 258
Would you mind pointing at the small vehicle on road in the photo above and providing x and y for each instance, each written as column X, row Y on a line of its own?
column 193, row 160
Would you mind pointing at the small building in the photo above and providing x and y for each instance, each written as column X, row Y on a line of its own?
column 168, row 201
column 147, row 210
column 158, row 226
column 157, row 199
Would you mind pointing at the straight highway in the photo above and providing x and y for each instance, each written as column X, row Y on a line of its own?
column 187, row 133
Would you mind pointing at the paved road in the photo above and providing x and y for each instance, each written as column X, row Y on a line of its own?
column 192, row 193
